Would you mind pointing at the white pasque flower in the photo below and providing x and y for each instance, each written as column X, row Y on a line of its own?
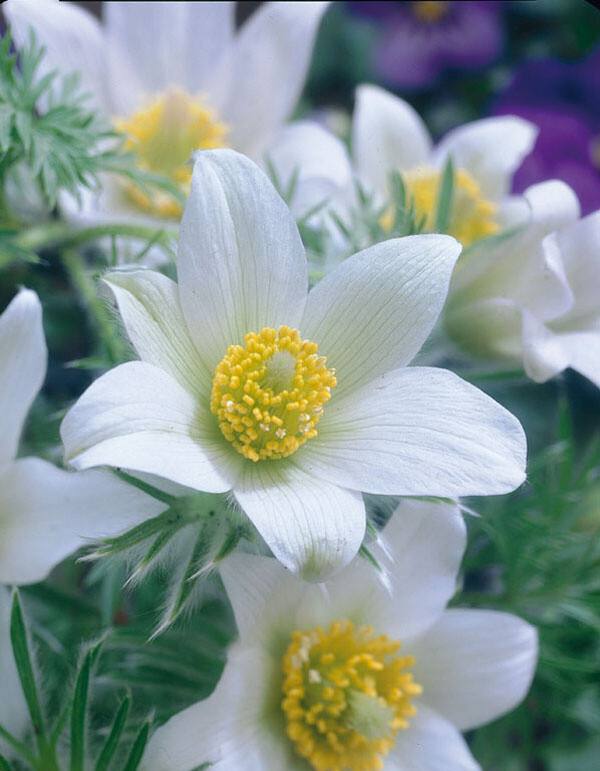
column 389, row 136
column 532, row 298
column 230, row 396
column 351, row 676
column 176, row 77
column 47, row 513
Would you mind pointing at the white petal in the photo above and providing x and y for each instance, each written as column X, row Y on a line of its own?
column 241, row 262
column 73, row 39
column 138, row 417
column 578, row 246
column 258, row 81
column 547, row 352
column 375, row 310
column 431, row 743
column 418, row 431
column 419, row 551
column 544, row 355
column 584, row 354
column 14, row 715
column 171, row 44
column 236, row 727
column 513, row 265
column 313, row 528
column 475, row 665
column 23, row 357
column 387, row 135
column 264, row 596
column 317, row 159
column 46, row 514
column 491, row 150
column 502, row 294
column 150, row 308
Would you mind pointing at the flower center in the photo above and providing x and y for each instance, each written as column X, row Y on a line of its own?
column 429, row 11
column 346, row 695
column 163, row 135
column 269, row 393
column 472, row 216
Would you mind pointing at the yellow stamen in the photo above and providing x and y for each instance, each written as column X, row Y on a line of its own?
column 346, row 695
column 163, row 135
column 269, row 394
column 472, row 216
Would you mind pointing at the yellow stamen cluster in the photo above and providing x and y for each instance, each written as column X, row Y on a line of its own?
column 346, row 695
column 472, row 216
column 163, row 135
column 430, row 11
column 268, row 394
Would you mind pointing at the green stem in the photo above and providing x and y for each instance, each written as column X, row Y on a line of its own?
column 83, row 282
column 7, row 217
column 60, row 235
column 48, row 762
column 508, row 374
column 17, row 745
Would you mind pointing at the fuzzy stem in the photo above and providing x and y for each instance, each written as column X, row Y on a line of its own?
column 60, row 235
column 86, row 286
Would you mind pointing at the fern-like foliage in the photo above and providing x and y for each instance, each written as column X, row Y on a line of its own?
column 59, row 144
column 45, row 123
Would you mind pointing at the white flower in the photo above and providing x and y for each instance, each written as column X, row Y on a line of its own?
column 532, row 298
column 14, row 716
column 353, row 677
column 177, row 77
column 389, row 136
column 228, row 395
column 47, row 513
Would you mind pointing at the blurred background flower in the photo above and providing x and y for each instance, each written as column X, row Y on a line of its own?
column 562, row 99
column 420, row 40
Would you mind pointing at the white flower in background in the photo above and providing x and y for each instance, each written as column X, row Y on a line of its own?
column 389, row 136
column 46, row 513
column 296, row 402
column 532, row 298
column 177, row 77
column 14, row 716
column 349, row 676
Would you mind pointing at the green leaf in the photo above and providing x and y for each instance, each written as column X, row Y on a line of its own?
column 20, row 646
column 367, row 555
column 189, row 580
column 4, row 766
column 137, row 751
column 149, row 489
column 23, row 126
column 445, row 196
column 398, row 190
column 112, row 741
column 233, row 537
column 44, row 120
column 6, row 118
column 78, row 713
column 137, row 534
column 161, row 540
column 24, row 751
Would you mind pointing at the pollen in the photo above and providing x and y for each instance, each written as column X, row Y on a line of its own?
column 346, row 694
column 162, row 136
column 472, row 216
column 268, row 394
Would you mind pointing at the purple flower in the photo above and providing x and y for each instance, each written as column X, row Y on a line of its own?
column 422, row 39
column 561, row 99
